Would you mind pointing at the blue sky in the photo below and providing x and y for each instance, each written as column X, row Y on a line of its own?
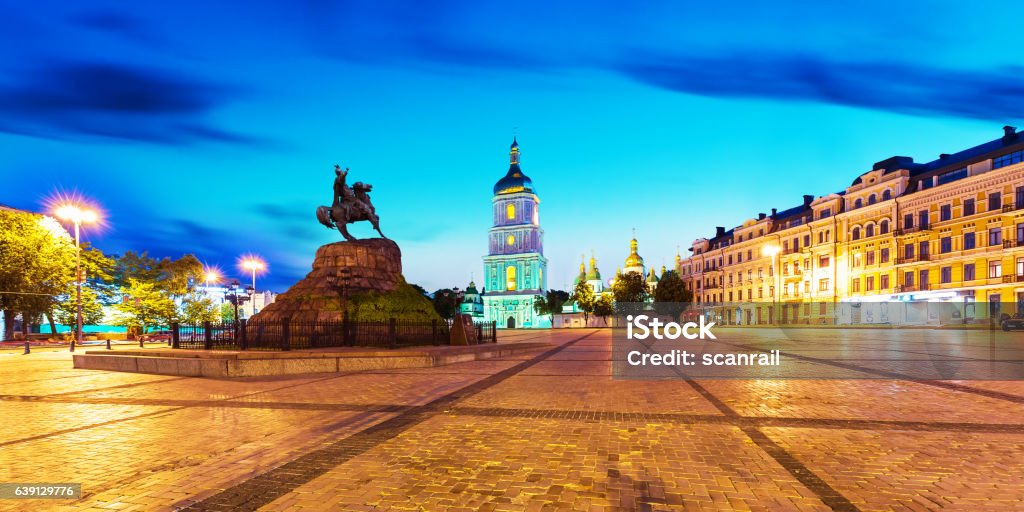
column 212, row 129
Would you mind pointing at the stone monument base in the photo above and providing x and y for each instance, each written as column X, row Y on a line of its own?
column 363, row 276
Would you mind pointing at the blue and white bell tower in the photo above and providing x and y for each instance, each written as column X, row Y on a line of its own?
column 515, row 268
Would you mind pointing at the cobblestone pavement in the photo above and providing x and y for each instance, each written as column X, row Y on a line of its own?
column 548, row 430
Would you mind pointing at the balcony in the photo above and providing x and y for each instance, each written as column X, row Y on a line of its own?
column 1019, row 278
column 1007, row 208
column 913, row 229
column 906, row 288
column 913, row 259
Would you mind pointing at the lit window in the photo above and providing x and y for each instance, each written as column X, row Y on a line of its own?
column 511, row 240
column 510, row 211
column 510, row 278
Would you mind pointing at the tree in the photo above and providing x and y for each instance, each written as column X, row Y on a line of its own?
column 65, row 312
column 196, row 309
column 630, row 292
column 131, row 265
column 550, row 303
column 671, row 297
column 143, row 305
column 178, row 276
column 446, row 302
column 37, row 262
column 583, row 296
column 227, row 312
column 604, row 307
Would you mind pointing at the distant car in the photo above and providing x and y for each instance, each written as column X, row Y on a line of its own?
column 1009, row 323
column 156, row 336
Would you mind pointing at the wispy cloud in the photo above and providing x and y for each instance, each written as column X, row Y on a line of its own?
column 74, row 100
column 890, row 86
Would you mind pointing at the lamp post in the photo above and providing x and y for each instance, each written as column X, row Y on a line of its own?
column 78, row 215
column 253, row 264
column 772, row 251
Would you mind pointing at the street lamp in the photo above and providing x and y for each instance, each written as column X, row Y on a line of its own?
column 78, row 215
column 253, row 264
column 772, row 251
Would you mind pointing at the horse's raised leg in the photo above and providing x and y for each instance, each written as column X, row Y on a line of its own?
column 376, row 225
column 344, row 232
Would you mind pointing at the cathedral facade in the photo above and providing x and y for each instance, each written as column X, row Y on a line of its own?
column 515, row 267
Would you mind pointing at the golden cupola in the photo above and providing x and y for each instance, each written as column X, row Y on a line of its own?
column 634, row 259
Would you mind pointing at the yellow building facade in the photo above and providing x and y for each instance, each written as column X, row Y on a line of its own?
column 950, row 230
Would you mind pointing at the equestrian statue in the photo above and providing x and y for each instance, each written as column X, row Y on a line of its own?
column 348, row 205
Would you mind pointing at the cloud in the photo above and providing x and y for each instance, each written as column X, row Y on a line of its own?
column 888, row 86
column 73, row 100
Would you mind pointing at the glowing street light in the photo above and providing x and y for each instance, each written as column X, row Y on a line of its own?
column 77, row 214
column 253, row 264
column 212, row 276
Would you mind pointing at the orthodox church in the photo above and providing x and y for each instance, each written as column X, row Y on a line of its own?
column 472, row 302
column 515, row 267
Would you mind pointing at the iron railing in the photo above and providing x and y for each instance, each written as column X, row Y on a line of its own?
column 289, row 334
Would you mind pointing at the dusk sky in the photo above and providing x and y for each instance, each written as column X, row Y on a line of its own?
column 208, row 129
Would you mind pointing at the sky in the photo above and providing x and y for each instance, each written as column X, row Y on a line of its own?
column 213, row 129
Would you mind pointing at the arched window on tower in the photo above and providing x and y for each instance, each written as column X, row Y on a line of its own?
column 510, row 211
column 856, row 234
column 886, row 195
column 510, row 278
column 884, row 226
column 872, row 199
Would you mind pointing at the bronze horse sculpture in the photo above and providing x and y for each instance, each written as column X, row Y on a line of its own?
column 348, row 205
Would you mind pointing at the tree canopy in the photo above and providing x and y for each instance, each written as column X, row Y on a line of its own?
column 630, row 291
column 671, row 297
column 583, row 296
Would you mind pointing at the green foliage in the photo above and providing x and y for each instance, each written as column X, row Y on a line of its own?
column 131, row 265
column 671, row 297
column 143, row 305
column 446, row 302
column 550, row 303
column 604, row 307
column 65, row 312
column 196, row 309
column 37, row 261
column 404, row 303
column 630, row 292
column 227, row 312
column 583, row 296
column 178, row 276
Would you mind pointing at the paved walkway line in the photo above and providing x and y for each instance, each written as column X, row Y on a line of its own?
column 267, row 487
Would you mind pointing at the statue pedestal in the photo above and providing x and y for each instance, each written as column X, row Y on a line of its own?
column 343, row 268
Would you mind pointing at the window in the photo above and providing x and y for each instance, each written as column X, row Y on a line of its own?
column 807, row 241
column 872, row 199
column 995, row 201
column 826, row 213
column 968, row 207
column 995, row 268
column 510, row 211
column 886, row 195
column 923, row 281
column 995, row 236
column 1013, row 158
column 1020, row 234
column 908, row 251
column 760, row 293
column 923, row 249
column 908, row 221
column 823, row 261
column 1018, row 197
column 945, row 244
column 856, row 259
column 760, row 273
column 945, row 212
column 858, row 203
column 908, row 278
column 870, row 257
column 510, row 278
column 785, row 246
column 969, row 240
column 952, row 176
column 969, row 272
column 884, row 256
column 946, row 275
column 869, row 283
column 807, row 263
column 869, row 231
column 1020, row 267
column 855, row 285
column 856, row 234
column 884, row 227
column 511, row 240
column 883, row 281
column 922, row 219
column 823, row 284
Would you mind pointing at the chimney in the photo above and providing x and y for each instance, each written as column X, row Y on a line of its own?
column 1009, row 132
column 943, row 156
column 719, row 231
column 774, row 211
column 808, row 200
column 761, row 216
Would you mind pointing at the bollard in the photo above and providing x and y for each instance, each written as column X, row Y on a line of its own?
column 108, row 343
column 140, row 342
column 27, row 349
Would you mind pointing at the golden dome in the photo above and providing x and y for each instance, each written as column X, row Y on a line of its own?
column 634, row 259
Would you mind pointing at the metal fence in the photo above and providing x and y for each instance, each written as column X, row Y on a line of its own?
column 288, row 335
